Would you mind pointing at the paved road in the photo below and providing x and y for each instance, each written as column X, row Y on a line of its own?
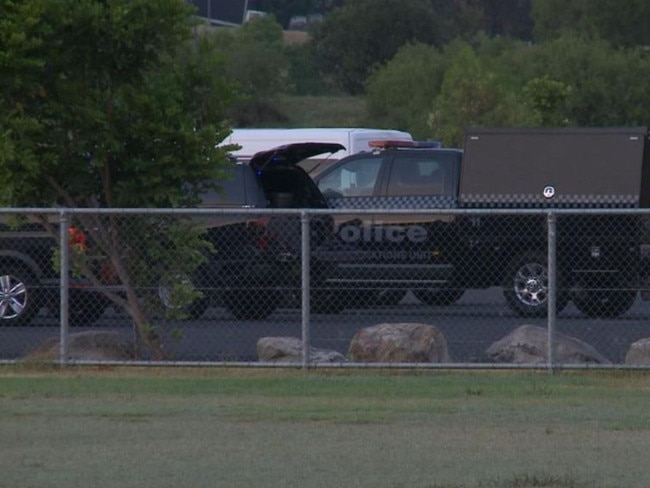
column 470, row 326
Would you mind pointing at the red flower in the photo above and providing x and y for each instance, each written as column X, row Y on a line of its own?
column 77, row 238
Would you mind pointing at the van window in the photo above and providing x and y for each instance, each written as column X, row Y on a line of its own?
column 356, row 178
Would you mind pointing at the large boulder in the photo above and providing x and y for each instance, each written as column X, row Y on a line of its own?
column 529, row 344
column 639, row 352
column 289, row 350
column 399, row 343
column 85, row 346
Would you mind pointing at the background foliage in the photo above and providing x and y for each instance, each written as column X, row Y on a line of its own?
column 113, row 104
column 434, row 67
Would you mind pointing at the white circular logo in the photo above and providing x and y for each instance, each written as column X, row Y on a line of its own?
column 549, row 191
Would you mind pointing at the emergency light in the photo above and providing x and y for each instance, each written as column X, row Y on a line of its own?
column 396, row 144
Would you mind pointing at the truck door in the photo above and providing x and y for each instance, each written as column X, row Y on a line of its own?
column 353, row 184
column 419, row 248
column 387, row 251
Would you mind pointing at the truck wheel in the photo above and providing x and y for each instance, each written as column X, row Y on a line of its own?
column 525, row 286
column 601, row 302
column 251, row 304
column 19, row 301
column 439, row 297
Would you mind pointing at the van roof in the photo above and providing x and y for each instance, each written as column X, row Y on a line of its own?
column 353, row 139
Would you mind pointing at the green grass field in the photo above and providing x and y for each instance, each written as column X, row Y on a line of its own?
column 202, row 427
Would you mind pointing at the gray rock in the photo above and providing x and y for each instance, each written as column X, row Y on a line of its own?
column 399, row 343
column 289, row 350
column 85, row 346
column 529, row 344
column 639, row 352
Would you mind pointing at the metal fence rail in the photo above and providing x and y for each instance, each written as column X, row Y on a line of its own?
column 126, row 286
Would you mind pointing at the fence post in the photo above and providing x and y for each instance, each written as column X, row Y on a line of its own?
column 64, row 249
column 305, row 287
column 552, row 287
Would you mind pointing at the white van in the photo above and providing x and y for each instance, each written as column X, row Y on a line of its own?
column 354, row 140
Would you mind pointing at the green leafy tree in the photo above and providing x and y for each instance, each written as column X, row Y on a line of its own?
column 566, row 81
column 363, row 34
column 436, row 94
column 255, row 59
column 496, row 18
column 304, row 77
column 607, row 84
column 401, row 93
column 476, row 92
column 621, row 23
column 509, row 18
column 548, row 99
column 112, row 104
column 459, row 19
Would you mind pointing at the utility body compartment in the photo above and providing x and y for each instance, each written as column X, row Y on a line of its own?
column 568, row 167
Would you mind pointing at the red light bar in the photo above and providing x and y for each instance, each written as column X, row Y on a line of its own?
column 405, row 144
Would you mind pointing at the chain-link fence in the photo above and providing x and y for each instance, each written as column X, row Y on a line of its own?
column 425, row 288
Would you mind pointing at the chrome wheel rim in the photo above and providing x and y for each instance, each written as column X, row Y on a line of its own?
column 531, row 284
column 13, row 297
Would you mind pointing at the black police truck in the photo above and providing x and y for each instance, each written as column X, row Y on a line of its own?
column 585, row 172
column 403, row 226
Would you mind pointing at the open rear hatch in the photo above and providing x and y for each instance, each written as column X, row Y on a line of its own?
column 292, row 154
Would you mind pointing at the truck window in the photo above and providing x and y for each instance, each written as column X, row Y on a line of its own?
column 419, row 177
column 356, row 178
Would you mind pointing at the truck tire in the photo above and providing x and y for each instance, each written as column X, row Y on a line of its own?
column 19, row 298
column 525, row 286
column 605, row 301
column 439, row 298
column 251, row 304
